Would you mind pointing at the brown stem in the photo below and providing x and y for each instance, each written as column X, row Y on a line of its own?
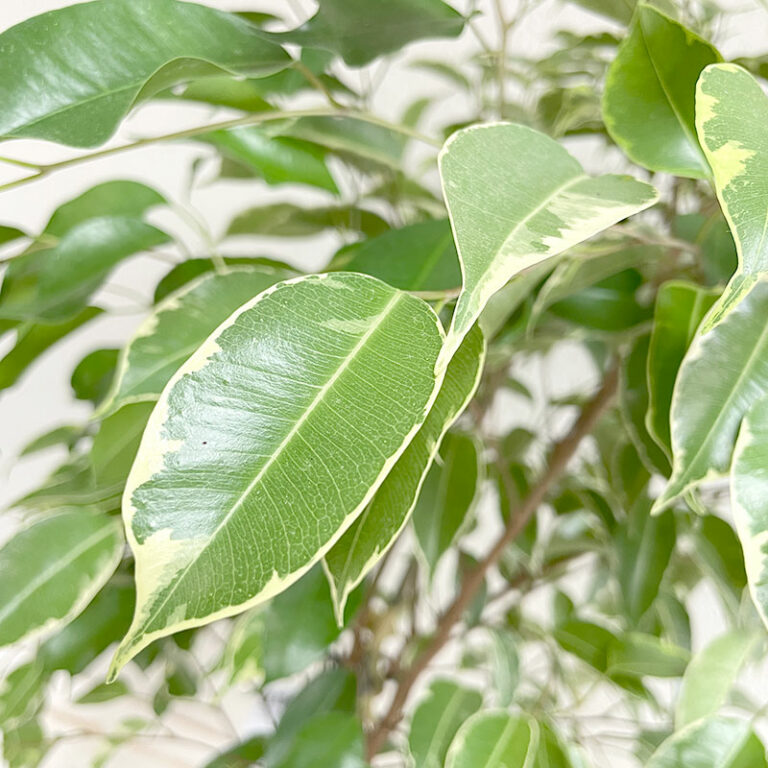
column 559, row 457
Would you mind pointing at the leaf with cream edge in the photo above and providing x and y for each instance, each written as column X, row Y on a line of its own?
column 749, row 500
column 278, row 430
column 178, row 326
column 61, row 82
column 51, row 570
column 706, row 412
column 367, row 540
column 494, row 739
column 516, row 198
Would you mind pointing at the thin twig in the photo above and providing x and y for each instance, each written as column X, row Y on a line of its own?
column 560, row 456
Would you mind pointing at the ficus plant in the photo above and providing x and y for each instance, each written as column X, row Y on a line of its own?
column 448, row 500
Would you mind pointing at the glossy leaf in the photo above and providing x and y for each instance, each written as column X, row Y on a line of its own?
column 680, row 307
column 353, row 556
column 542, row 204
column 707, row 410
column 711, row 675
column 363, row 30
column 253, row 411
column 178, row 326
column 446, row 496
column 55, row 284
column 648, row 104
column 52, row 569
column 276, row 159
column 716, row 742
column 494, row 739
column 33, row 339
column 60, row 82
column 116, row 442
column 437, row 719
column 417, row 257
column 730, row 110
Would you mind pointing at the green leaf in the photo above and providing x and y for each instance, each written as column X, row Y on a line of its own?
column 276, row 159
column 288, row 220
column 680, row 307
column 446, row 496
column 749, row 484
column 178, row 326
column 60, row 82
column 643, row 551
column 52, row 569
column 589, row 641
column 417, row 257
column 353, row 556
column 716, row 742
column 542, row 204
column 112, row 198
column 21, row 694
column 32, row 339
column 24, row 746
column 104, row 692
column 55, row 284
column 494, row 739
column 10, row 234
column 648, row 104
column 253, row 412
column 93, row 375
column 719, row 551
column 635, row 654
column 618, row 10
column 505, row 661
column 116, row 442
column 436, row 720
column 67, row 435
column 730, row 110
column 706, row 409
column 242, row 755
column 361, row 30
column 711, row 675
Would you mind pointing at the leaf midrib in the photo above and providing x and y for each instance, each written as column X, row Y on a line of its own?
column 286, row 440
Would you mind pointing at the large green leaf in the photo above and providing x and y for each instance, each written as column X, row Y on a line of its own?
column 437, row 718
column 259, row 429
column 178, row 326
column 494, row 739
column 417, row 257
column 32, row 339
column 60, row 81
column 731, row 110
column 715, row 742
column 648, row 105
column 711, row 675
column 51, row 570
column 353, row 556
column 361, row 30
column 446, row 495
column 724, row 371
column 542, row 203
column 54, row 284
column 680, row 307
column 749, row 492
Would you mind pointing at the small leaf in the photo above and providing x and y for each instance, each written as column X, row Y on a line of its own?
column 680, row 307
column 353, row 556
column 436, row 720
column 711, row 675
column 62, row 83
column 542, row 204
column 417, row 257
column 648, row 105
column 494, row 739
column 93, row 375
column 21, row 694
column 116, row 442
column 242, row 755
column 716, row 742
column 362, row 30
column 177, row 327
column 635, row 654
column 241, row 431
column 68, row 435
column 52, row 569
column 446, row 496
column 104, row 692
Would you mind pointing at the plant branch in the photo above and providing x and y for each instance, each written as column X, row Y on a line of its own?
column 559, row 458
column 255, row 118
